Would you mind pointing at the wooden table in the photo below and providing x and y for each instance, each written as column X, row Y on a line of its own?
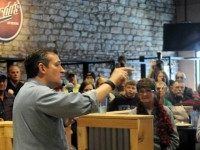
column 104, row 130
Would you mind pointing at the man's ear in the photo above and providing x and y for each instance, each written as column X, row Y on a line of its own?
column 42, row 68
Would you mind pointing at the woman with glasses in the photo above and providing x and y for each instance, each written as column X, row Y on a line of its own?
column 165, row 132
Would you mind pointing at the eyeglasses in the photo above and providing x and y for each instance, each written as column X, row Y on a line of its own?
column 179, row 77
column 147, row 91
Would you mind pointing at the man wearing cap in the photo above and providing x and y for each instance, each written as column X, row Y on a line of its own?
column 6, row 100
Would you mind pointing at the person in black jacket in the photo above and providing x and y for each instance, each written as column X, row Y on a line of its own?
column 14, row 83
column 126, row 101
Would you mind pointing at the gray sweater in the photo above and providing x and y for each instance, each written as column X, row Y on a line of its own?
column 38, row 112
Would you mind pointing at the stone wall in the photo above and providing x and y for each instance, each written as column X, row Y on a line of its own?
column 92, row 30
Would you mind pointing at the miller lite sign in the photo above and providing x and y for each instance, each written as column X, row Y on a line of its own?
column 10, row 19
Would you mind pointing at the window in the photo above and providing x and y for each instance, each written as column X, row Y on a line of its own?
column 198, row 68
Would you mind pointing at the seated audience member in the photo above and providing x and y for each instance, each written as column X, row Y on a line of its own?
column 165, row 132
column 126, row 101
column 188, row 92
column 176, row 95
column 6, row 100
column 156, row 66
column 85, row 86
column 161, row 89
column 90, row 76
column 162, row 76
column 73, row 85
column 14, row 83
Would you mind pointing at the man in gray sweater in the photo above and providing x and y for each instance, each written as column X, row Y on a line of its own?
column 38, row 109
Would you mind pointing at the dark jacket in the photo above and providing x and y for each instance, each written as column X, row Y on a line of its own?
column 13, row 87
column 6, row 107
column 123, row 103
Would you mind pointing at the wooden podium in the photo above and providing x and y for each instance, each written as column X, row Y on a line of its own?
column 115, row 131
column 6, row 135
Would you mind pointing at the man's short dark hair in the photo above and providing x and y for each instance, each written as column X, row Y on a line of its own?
column 31, row 62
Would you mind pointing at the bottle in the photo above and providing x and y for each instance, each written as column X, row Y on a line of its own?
column 194, row 115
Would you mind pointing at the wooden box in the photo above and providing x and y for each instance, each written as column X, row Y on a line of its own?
column 115, row 130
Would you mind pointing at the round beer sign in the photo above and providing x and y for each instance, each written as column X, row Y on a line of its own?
column 10, row 19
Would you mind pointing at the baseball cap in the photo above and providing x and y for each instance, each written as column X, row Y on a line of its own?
column 3, row 75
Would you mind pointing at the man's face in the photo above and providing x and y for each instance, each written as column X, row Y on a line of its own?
column 130, row 90
column 178, row 88
column 14, row 73
column 180, row 77
column 3, row 84
column 54, row 71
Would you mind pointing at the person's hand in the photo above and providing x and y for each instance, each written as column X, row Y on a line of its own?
column 10, row 92
column 69, row 87
column 69, row 121
column 1, row 119
column 120, row 74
